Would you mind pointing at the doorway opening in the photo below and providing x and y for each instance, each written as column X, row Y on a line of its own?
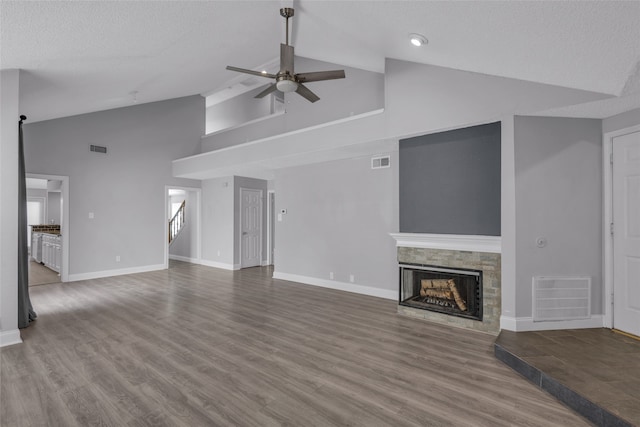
column 48, row 221
column 271, row 226
column 182, row 243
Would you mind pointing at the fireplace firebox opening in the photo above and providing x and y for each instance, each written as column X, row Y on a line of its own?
column 456, row 292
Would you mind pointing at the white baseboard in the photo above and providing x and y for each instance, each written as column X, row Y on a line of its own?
column 222, row 265
column 184, row 259
column 264, row 263
column 119, row 272
column 521, row 324
column 10, row 337
column 341, row 286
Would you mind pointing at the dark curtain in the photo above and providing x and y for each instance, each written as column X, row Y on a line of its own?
column 25, row 310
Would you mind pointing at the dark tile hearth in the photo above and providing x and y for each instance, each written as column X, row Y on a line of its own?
column 596, row 372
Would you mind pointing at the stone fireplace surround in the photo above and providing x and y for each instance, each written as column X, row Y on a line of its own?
column 457, row 251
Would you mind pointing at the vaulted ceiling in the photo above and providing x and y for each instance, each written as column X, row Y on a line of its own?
column 87, row 56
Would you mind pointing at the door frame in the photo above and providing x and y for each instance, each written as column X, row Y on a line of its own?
column 271, row 211
column 64, row 226
column 198, row 223
column 607, row 240
column 261, row 215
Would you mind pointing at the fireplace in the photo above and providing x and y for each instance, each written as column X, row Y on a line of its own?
column 451, row 291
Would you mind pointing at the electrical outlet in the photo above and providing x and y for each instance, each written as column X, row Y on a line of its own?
column 117, row 258
column 218, row 253
column 331, row 275
column 352, row 278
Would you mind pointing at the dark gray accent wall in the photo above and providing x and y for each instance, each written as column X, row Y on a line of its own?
column 450, row 182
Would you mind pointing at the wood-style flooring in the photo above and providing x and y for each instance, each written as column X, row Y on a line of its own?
column 596, row 371
column 198, row 346
column 41, row 275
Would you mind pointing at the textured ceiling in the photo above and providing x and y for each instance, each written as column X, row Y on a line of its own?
column 83, row 56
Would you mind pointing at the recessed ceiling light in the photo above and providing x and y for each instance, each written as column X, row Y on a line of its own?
column 264, row 71
column 417, row 39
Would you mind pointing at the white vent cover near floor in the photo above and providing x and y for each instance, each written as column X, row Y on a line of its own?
column 380, row 162
column 561, row 298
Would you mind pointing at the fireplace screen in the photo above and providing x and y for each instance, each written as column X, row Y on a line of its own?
column 456, row 292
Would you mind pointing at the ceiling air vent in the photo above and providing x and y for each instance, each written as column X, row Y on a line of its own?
column 380, row 162
column 98, row 149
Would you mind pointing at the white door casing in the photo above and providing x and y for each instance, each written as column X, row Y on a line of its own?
column 250, row 227
column 271, row 226
column 626, row 236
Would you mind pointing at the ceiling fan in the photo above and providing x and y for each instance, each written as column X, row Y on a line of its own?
column 287, row 80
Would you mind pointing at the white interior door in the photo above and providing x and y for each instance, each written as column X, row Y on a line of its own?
column 626, row 237
column 250, row 227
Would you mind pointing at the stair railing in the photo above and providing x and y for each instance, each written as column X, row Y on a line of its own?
column 177, row 222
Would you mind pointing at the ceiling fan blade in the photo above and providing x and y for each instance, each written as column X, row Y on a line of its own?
column 306, row 93
column 320, row 75
column 286, row 58
column 267, row 91
column 254, row 73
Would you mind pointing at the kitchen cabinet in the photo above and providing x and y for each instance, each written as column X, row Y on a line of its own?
column 52, row 251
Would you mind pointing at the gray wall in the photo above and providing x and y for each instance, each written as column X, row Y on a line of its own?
column 54, row 203
column 361, row 91
column 450, row 182
column 621, row 121
column 125, row 188
column 558, row 167
column 237, row 110
column 37, row 192
column 218, row 221
column 254, row 184
column 339, row 216
column 9, row 112
column 425, row 98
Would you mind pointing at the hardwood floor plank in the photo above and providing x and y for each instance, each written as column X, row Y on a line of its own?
column 198, row 346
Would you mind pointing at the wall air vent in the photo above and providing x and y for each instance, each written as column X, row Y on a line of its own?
column 561, row 298
column 98, row 149
column 380, row 162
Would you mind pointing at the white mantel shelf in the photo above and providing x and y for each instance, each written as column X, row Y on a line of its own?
column 454, row 242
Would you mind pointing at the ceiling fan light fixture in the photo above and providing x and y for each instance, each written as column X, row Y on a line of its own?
column 417, row 39
column 287, row 86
